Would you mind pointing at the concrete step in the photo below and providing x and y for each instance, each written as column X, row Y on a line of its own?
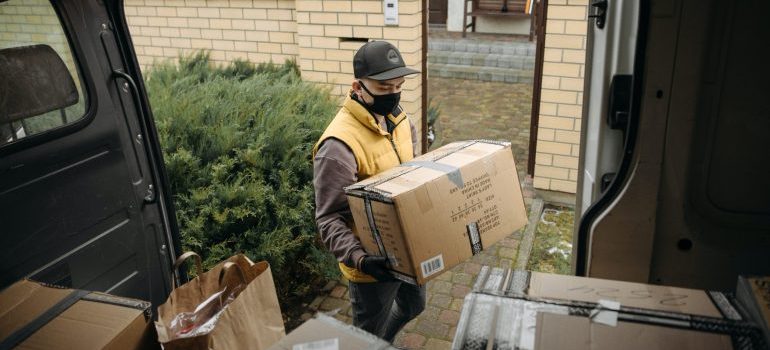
column 518, row 48
column 482, row 59
column 496, row 74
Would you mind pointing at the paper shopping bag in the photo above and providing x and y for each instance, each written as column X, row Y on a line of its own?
column 232, row 306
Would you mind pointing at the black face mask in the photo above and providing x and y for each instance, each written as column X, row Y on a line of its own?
column 383, row 104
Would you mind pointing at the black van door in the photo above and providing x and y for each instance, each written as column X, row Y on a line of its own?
column 83, row 201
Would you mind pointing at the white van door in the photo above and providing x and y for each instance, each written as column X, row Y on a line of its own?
column 613, row 40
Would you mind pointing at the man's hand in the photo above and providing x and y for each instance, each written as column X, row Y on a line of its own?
column 376, row 266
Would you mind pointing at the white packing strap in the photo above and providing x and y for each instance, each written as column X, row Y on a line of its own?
column 606, row 312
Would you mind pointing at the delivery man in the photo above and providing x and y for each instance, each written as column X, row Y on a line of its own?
column 369, row 134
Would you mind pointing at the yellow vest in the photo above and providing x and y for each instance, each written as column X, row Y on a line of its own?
column 375, row 150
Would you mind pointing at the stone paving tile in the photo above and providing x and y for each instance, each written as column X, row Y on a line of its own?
column 439, row 287
column 431, row 313
column 331, row 304
column 439, row 300
column 410, row 340
column 343, row 318
column 317, row 302
column 432, row 329
column 452, row 332
column 410, row 327
column 505, row 252
column 443, row 277
column 449, row 317
column 436, row 344
column 505, row 263
column 509, row 242
column 460, row 291
column 471, row 268
column 462, row 278
column 338, row 292
column 457, row 304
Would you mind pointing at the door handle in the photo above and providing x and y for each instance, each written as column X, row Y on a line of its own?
column 619, row 102
column 149, row 195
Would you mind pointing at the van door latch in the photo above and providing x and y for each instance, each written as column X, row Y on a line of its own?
column 149, row 194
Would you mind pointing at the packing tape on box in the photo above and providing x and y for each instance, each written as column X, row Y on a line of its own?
column 606, row 313
column 452, row 172
column 422, row 161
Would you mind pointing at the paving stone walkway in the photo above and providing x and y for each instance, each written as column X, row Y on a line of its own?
column 472, row 109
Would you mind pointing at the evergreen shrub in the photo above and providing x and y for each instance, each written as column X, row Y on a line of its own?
column 237, row 143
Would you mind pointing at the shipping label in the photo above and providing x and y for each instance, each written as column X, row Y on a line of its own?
column 432, row 266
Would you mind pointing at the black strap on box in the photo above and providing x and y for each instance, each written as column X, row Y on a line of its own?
column 373, row 226
column 33, row 326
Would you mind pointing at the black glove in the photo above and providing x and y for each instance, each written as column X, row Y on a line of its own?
column 377, row 267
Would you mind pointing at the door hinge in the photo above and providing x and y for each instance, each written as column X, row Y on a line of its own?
column 600, row 13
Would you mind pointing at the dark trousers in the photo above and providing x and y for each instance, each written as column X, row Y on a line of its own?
column 383, row 308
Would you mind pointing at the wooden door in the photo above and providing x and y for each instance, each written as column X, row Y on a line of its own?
column 437, row 11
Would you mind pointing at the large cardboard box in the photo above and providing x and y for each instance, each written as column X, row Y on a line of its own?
column 521, row 310
column 439, row 209
column 36, row 316
column 327, row 333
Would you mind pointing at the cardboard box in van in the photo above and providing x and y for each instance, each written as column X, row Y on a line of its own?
column 439, row 209
column 326, row 333
column 38, row 316
column 530, row 310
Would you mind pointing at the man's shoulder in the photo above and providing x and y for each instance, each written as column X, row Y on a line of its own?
column 333, row 147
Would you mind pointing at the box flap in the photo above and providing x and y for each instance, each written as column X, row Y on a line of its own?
column 556, row 331
column 629, row 294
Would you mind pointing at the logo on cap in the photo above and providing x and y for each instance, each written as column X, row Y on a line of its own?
column 392, row 56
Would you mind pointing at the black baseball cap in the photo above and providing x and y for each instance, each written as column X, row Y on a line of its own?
column 379, row 60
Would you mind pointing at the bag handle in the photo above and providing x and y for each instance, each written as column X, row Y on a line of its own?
column 226, row 267
column 232, row 287
column 181, row 260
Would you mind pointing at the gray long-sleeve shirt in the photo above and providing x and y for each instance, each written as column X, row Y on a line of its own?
column 334, row 168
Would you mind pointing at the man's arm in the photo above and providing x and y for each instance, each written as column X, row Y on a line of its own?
column 334, row 168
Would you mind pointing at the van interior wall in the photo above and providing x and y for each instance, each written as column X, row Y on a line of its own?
column 699, row 183
column 714, row 213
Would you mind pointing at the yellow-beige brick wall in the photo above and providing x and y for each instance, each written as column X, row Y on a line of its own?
column 330, row 31
column 321, row 35
column 558, row 135
column 254, row 30
column 34, row 22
